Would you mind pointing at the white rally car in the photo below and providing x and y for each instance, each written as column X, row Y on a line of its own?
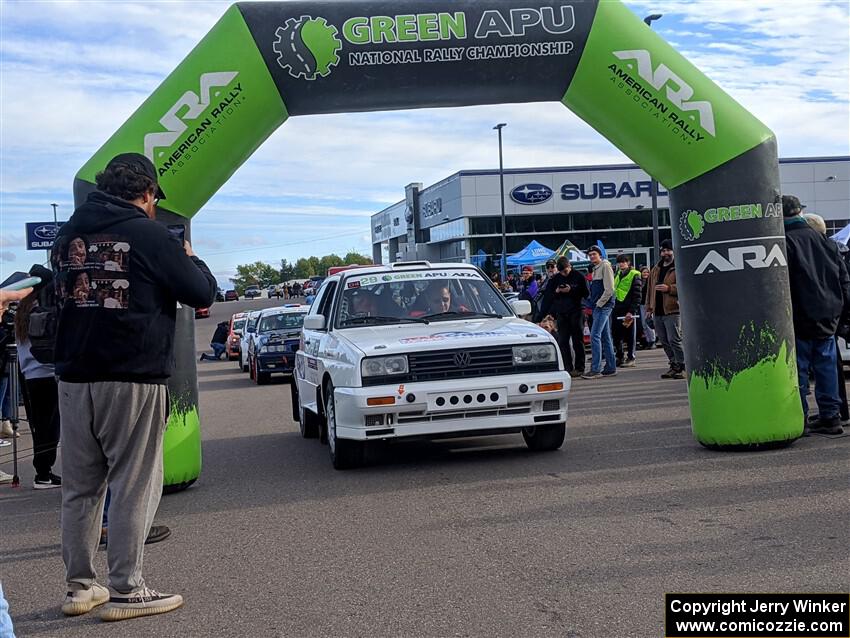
column 421, row 350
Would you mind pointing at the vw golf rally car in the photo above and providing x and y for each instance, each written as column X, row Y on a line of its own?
column 277, row 338
column 421, row 350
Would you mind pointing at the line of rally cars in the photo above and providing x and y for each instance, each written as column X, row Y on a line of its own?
column 264, row 342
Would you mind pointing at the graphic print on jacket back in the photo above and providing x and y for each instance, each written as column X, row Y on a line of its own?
column 93, row 271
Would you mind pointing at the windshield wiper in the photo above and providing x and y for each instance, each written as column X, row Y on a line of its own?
column 455, row 313
column 384, row 319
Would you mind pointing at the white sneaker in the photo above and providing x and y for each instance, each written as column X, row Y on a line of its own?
column 82, row 601
column 6, row 429
column 5, row 478
column 5, row 443
column 145, row 602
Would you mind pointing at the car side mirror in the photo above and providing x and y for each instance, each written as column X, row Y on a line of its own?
column 521, row 307
column 315, row 322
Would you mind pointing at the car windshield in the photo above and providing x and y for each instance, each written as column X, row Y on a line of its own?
column 288, row 321
column 418, row 296
column 239, row 325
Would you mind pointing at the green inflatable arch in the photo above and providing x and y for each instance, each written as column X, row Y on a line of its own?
column 264, row 62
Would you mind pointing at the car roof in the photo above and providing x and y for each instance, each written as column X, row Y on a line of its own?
column 402, row 267
column 239, row 315
column 285, row 310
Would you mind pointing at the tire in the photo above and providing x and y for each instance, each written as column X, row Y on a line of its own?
column 544, row 438
column 262, row 378
column 345, row 454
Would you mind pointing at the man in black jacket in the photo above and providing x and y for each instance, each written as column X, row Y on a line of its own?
column 563, row 300
column 627, row 289
column 119, row 278
column 820, row 290
column 218, row 342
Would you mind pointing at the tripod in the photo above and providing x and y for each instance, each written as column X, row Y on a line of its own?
column 12, row 371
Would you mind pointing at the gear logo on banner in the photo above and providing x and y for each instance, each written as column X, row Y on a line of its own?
column 307, row 47
column 691, row 225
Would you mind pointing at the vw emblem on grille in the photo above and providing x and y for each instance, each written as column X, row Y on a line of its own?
column 462, row 359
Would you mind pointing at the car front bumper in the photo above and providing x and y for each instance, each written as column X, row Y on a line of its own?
column 276, row 362
column 422, row 409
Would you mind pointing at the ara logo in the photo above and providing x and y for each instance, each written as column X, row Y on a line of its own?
column 530, row 194
column 678, row 91
column 307, row 47
column 742, row 257
column 194, row 104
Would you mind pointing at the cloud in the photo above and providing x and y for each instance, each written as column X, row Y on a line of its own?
column 7, row 255
column 9, row 241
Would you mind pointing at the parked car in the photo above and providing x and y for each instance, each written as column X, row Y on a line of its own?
column 248, row 335
column 276, row 342
column 231, row 295
column 219, row 294
column 202, row 313
column 234, row 337
column 252, row 292
column 413, row 350
column 275, row 291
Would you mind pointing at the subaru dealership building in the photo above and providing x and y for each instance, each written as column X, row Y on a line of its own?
column 459, row 217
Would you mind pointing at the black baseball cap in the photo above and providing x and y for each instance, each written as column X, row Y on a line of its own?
column 667, row 243
column 550, row 263
column 790, row 204
column 139, row 164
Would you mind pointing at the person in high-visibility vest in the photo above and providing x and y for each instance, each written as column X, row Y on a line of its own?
column 627, row 287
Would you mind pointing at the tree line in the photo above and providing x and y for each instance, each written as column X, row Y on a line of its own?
column 262, row 274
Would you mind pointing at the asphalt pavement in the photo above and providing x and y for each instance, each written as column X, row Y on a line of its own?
column 471, row 537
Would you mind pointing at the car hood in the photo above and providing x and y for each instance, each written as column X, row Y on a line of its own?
column 442, row 335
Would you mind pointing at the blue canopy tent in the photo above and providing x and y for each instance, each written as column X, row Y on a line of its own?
column 478, row 259
column 533, row 254
column 842, row 236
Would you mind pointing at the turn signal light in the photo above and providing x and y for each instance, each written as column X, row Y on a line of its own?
column 380, row 401
column 550, row 387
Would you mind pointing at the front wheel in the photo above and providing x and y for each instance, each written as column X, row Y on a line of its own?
column 544, row 438
column 345, row 453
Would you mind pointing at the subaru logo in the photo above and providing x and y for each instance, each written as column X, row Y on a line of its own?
column 530, row 194
column 462, row 359
column 47, row 231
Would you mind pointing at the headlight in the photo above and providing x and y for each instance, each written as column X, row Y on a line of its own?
column 529, row 355
column 382, row 366
column 263, row 349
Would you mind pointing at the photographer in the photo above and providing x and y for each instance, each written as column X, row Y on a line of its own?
column 35, row 332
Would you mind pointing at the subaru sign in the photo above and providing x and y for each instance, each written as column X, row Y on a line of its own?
column 41, row 235
column 530, row 194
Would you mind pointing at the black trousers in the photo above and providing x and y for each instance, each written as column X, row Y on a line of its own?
column 620, row 334
column 842, row 389
column 44, row 422
column 571, row 332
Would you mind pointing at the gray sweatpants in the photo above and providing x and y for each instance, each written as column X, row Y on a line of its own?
column 111, row 433
column 668, row 329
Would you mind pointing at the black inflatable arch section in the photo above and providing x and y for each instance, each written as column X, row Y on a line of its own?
column 265, row 62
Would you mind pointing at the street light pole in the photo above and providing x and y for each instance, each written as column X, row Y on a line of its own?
column 55, row 229
column 653, row 184
column 504, row 260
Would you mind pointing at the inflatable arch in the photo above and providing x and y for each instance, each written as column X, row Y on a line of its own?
column 264, row 62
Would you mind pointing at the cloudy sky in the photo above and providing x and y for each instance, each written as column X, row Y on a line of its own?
column 71, row 73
